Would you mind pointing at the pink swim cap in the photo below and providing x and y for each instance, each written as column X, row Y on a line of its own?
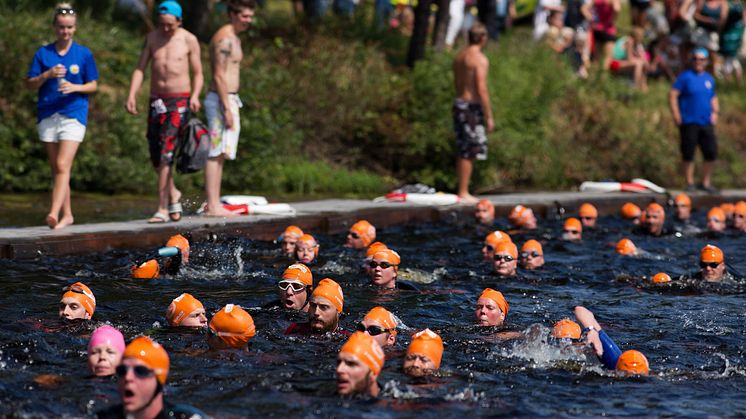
column 106, row 334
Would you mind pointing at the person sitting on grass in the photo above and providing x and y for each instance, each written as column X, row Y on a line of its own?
column 629, row 57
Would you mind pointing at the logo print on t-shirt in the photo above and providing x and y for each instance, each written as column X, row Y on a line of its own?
column 74, row 69
column 708, row 84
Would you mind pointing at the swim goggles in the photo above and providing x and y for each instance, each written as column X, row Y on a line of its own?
column 384, row 265
column 141, row 371
column 587, row 218
column 533, row 254
column 373, row 330
column 571, row 231
column 353, row 235
column 296, row 286
column 712, row 265
column 506, row 258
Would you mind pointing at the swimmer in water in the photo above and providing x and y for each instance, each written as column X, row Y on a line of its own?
column 325, row 308
column 630, row 362
column 712, row 265
column 531, row 256
column 288, row 239
column 369, row 252
column 566, row 329
column 626, row 247
column 492, row 308
column 186, row 311
column 682, row 207
column 492, row 240
column 384, row 268
column 381, row 325
column 716, row 220
column 572, row 230
column 361, row 235
column 506, row 259
column 359, row 363
column 739, row 216
column 231, row 328
column 295, row 287
column 522, row 218
column 423, row 354
column 631, row 212
column 105, row 351
column 655, row 218
column 306, row 249
column 588, row 214
column 484, row 212
column 77, row 303
column 146, row 270
column 141, row 378
column 729, row 209
column 171, row 265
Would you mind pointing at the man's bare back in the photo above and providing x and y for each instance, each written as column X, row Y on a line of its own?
column 225, row 47
column 470, row 77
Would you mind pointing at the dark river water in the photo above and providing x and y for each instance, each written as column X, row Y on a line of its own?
column 693, row 336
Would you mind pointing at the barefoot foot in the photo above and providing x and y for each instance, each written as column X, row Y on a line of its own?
column 51, row 221
column 468, row 198
column 64, row 222
column 219, row 212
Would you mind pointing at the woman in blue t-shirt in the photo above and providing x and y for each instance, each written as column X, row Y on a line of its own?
column 65, row 73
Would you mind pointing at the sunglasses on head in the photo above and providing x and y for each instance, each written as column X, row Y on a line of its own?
column 712, row 265
column 571, row 231
column 353, row 235
column 64, row 11
column 141, row 371
column 384, row 265
column 533, row 254
column 296, row 286
column 372, row 330
column 506, row 258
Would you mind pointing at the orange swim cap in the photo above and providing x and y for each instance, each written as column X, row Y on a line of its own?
column 83, row 295
column 630, row 211
column 387, row 255
column 633, row 362
column 298, row 272
column 151, row 354
column 661, row 277
column 728, row 209
column 362, row 346
column 427, row 343
column 711, row 253
column 309, row 239
column 496, row 237
column 383, row 317
column 626, row 247
column 148, row 270
column 330, row 290
column 182, row 243
column 373, row 248
column 508, row 247
column 588, row 210
column 291, row 231
column 233, row 326
column 365, row 230
column 740, row 208
column 574, row 224
column 532, row 246
column 498, row 298
column 655, row 207
column 566, row 329
column 716, row 212
column 519, row 215
column 683, row 199
column 486, row 204
column 181, row 307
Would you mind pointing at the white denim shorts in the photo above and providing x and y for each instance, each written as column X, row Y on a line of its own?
column 60, row 127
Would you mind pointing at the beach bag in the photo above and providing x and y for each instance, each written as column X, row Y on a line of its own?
column 194, row 147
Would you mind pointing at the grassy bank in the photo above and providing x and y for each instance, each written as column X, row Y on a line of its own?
column 330, row 110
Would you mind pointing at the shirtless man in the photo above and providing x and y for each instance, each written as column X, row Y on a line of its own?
column 225, row 60
column 174, row 52
column 471, row 107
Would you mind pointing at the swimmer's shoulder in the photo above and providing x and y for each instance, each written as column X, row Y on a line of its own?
column 406, row 286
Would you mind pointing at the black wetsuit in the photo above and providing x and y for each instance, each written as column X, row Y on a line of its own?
column 169, row 411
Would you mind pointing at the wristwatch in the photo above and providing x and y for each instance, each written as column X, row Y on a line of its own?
column 589, row 328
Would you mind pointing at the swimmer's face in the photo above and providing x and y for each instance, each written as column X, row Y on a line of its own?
column 305, row 252
column 103, row 360
column 382, row 273
column 571, row 234
column 241, row 20
column 354, row 241
column 711, row 274
column 322, row 315
column 65, row 26
column 71, row 309
column 682, row 211
column 484, row 214
column 197, row 318
column 168, row 24
column 294, row 296
column 506, row 265
column 488, row 252
column 529, row 222
column 654, row 222
column 531, row 260
column 739, row 221
column 715, row 224
column 589, row 222
column 353, row 376
column 418, row 365
column 288, row 245
column 488, row 313
column 136, row 392
column 382, row 339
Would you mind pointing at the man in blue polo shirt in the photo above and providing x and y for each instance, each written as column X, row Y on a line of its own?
column 695, row 110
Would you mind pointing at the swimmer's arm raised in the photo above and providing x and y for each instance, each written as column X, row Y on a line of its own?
column 137, row 77
column 588, row 320
column 196, row 64
column 482, row 69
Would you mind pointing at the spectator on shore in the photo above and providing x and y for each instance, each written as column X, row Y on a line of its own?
column 731, row 39
column 578, row 17
column 541, row 16
column 64, row 73
column 629, row 57
column 558, row 37
column 472, row 112
column 695, row 109
column 456, row 9
column 175, row 54
column 604, row 28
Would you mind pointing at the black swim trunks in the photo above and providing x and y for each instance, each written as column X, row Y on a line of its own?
column 471, row 134
column 167, row 115
column 693, row 135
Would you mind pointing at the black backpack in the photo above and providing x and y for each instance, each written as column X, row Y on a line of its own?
column 193, row 148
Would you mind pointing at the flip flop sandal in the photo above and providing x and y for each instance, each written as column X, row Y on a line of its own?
column 174, row 209
column 158, row 218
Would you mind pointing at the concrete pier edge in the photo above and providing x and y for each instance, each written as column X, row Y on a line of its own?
column 331, row 216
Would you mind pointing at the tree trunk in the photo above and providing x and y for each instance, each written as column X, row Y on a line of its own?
column 419, row 35
column 441, row 24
